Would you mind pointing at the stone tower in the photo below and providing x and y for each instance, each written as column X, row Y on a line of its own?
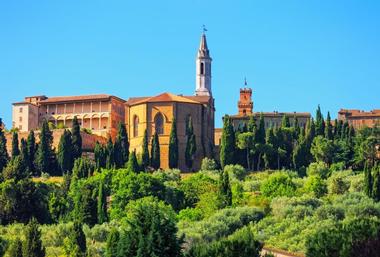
column 203, row 69
column 245, row 104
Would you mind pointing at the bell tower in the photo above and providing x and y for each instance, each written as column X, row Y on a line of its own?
column 203, row 68
column 245, row 104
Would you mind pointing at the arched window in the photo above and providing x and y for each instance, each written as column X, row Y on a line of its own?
column 159, row 123
column 135, row 126
column 202, row 68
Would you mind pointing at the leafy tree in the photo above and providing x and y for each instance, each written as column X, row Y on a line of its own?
column 86, row 204
column 323, row 149
column 300, row 155
column 83, row 168
column 100, row 154
column 316, row 185
column 15, row 147
column 110, row 159
column 15, row 169
column 33, row 245
column 191, row 145
column 133, row 165
column 31, row 145
column 208, row 164
column 112, row 243
column 228, row 148
column 3, row 149
column 145, row 151
column 121, row 146
column 45, row 154
column 225, row 191
column 102, row 204
column 270, row 157
column 246, row 142
column 155, row 152
column 173, row 146
column 368, row 183
column 328, row 128
column 278, row 184
column 15, row 248
column 65, row 152
column 76, row 139
column 252, row 124
column 376, row 183
column 75, row 244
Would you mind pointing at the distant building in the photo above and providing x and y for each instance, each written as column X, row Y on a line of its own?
column 155, row 115
column 98, row 113
column 359, row 119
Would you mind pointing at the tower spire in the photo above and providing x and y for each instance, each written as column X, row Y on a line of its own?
column 203, row 67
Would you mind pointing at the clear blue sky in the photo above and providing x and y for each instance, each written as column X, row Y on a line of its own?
column 295, row 54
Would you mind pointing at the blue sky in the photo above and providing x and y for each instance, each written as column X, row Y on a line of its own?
column 295, row 54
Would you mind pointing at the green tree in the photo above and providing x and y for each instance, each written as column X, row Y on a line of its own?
column 45, row 154
column 65, row 152
column 155, row 161
column 191, row 145
column 225, row 191
column 112, row 243
column 100, row 155
column 285, row 123
column 323, row 150
column 329, row 128
column 85, row 204
column 31, row 144
column 24, row 154
column 278, row 184
column 110, row 159
column 246, row 142
column 15, row 249
column 325, row 241
column 121, row 146
column 15, row 169
column 368, row 183
column 83, row 168
column 252, row 124
column 228, row 148
column 132, row 164
column 3, row 149
column 145, row 160
column 173, row 146
column 15, row 147
column 102, row 203
column 270, row 158
column 376, row 183
column 75, row 244
column 32, row 246
column 319, row 123
column 76, row 139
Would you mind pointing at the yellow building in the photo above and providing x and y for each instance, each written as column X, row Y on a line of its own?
column 155, row 115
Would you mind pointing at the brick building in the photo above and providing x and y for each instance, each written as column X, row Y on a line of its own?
column 359, row 119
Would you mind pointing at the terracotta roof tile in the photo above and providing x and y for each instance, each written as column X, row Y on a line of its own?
column 79, row 98
column 165, row 97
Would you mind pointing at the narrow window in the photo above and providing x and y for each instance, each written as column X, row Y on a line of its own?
column 159, row 124
column 135, row 126
column 20, row 109
column 202, row 68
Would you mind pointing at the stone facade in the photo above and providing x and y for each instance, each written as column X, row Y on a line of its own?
column 98, row 113
column 156, row 114
column 359, row 119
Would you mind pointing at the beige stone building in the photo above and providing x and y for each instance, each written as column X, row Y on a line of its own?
column 98, row 113
column 360, row 119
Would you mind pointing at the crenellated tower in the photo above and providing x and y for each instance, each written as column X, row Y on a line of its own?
column 245, row 104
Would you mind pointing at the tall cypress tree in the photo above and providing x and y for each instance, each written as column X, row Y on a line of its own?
column 145, row 151
column 44, row 151
column 155, row 161
column 260, row 134
column 132, row 164
column 191, row 145
column 76, row 139
column 285, row 123
column 112, row 243
column 376, row 183
column 173, row 146
column 225, row 189
column 3, row 149
column 368, row 183
column 102, row 204
column 252, row 124
column 33, row 245
column 31, row 145
column 77, row 241
column 15, row 147
column 228, row 148
column 15, row 249
column 24, row 154
column 121, row 146
column 110, row 160
column 100, row 155
column 328, row 128
column 65, row 152
column 319, row 123
column 296, row 127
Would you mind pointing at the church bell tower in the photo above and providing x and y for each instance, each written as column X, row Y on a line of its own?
column 203, row 69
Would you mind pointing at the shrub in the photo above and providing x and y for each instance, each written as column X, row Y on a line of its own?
column 236, row 171
column 318, row 168
column 208, row 164
column 278, row 184
column 190, row 214
column 316, row 185
column 338, row 184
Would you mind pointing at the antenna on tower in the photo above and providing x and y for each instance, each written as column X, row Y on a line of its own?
column 204, row 28
column 245, row 82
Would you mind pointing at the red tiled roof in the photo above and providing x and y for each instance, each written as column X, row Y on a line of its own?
column 164, row 97
column 79, row 98
column 359, row 113
column 275, row 114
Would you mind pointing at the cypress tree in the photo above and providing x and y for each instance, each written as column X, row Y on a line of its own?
column 328, row 128
column 24, row 154
column 296, row 127
column 376, row 183
column 228, row 148
column 15, row 249
column 319, row 123
column 145, row 151
column 31, row 145
column 345, row 129
column 285, row 123
column 32, row 246
column 339, row 129
column 110, row 161
column 44, row 151
column 173, row 146
column 76, row 241
column 132, row 164
column 191, row 145
column 102, row 204
column 112, row 243
column 260, row 134
column 3, row 149
column 15, row 147
column 121, row 146
column 270, row 157
column 15, row 169
column 76, row 139
column 225, row 189
column 155, row 161
column 65, row 152
column 252, row 124
column 100, row 155
column 367, row 180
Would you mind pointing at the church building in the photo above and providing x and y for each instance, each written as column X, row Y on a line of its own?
column 155, row 114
